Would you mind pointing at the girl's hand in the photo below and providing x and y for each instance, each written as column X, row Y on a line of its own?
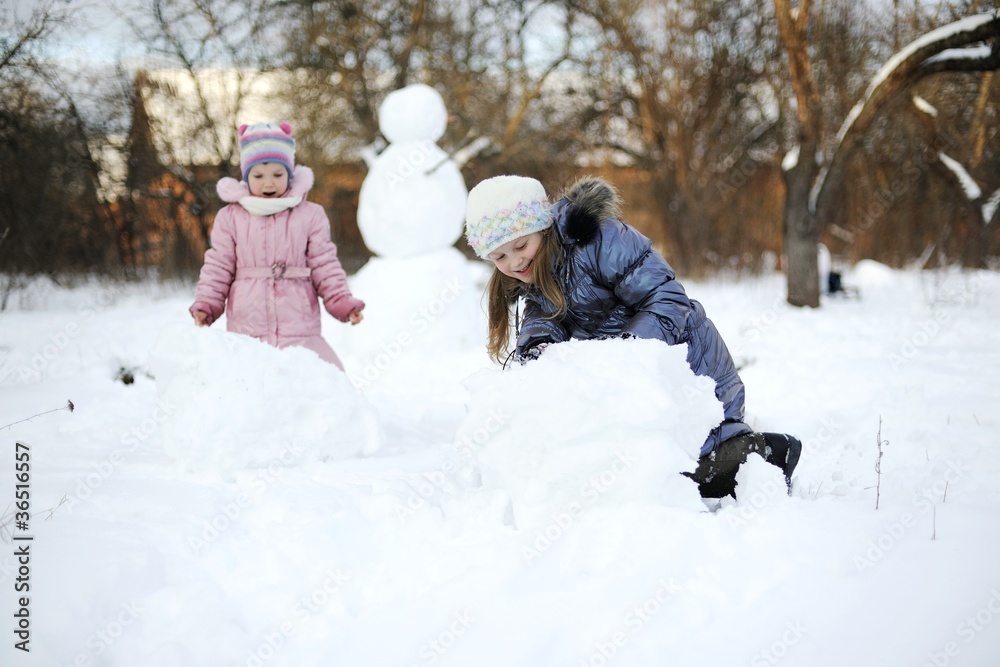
column 355, row 317
column 533, row 353
column 200, row 318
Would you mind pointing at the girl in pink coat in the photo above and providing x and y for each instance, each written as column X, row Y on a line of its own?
column 271, row 254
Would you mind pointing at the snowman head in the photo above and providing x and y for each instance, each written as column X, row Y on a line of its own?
column 413, row 113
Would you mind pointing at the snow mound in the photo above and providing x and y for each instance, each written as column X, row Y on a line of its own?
column 418, row 309
column 869, row 273
column 591, row 424
column 230, row 402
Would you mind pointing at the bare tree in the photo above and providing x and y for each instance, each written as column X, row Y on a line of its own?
column 21, row 35
column 692, row 80
column 51, row 216
column 349, row 55
column 814, row 180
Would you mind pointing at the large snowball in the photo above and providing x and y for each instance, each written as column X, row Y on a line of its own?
column 419, row 313
column 231, row 402
column 594, row 423
column 413, row 113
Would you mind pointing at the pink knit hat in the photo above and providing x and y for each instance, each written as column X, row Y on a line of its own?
column 266, row 142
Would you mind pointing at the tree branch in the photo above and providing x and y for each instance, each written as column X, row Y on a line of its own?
column 914, row 63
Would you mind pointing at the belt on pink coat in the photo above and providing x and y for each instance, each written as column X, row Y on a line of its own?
column 277, row 271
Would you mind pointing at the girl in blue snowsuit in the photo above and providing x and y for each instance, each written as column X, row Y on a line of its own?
column 585, row 274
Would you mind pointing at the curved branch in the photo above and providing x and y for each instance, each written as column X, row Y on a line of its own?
column 922, row 58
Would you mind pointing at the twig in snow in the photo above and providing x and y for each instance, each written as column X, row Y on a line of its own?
column 878, row 462
column 69, row 406
column 7, row 519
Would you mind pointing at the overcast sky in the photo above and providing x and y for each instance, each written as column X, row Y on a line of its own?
column 97, row 30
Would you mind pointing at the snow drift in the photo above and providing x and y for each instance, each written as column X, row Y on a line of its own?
column 591, row 424
column 232, row 402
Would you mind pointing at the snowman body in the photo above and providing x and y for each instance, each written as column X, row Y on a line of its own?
column 404, row 211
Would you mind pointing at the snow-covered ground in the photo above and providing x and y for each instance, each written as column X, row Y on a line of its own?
column 240, row 505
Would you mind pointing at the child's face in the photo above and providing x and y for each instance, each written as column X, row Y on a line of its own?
column 268, row 179
column 515, row 258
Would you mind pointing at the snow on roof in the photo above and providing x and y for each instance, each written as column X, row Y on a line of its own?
column 967, row 24
column 969, row 185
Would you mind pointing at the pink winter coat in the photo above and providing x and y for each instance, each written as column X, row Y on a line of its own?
column 270, row 269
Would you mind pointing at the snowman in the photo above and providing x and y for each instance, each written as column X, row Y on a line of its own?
column 423, row 297
column 413, row 200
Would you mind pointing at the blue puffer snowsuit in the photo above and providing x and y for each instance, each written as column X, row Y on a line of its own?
column 616, row 283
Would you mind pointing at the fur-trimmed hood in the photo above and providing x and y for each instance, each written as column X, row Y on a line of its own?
column 587, row 202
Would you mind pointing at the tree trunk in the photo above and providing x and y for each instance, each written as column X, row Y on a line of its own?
column 802, row 269
column 800, row 232
column 806, row 211
column 800, row 239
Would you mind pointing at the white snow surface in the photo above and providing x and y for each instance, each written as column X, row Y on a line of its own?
column 204, row 373
column 599, row 451
column 532, row 516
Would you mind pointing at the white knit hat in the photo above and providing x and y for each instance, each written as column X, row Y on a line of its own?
column 504, row 208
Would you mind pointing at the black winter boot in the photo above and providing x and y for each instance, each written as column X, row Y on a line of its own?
column 716, row 471
column 783, row 451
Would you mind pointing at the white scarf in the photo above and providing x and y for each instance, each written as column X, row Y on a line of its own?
column 268, row 205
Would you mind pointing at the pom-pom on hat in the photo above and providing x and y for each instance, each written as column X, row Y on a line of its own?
column 266, row 142
column 504, row 208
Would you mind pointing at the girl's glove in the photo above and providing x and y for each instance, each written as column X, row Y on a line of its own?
column 532, row 353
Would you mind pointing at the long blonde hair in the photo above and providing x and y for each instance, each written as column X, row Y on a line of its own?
column 503, row 291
